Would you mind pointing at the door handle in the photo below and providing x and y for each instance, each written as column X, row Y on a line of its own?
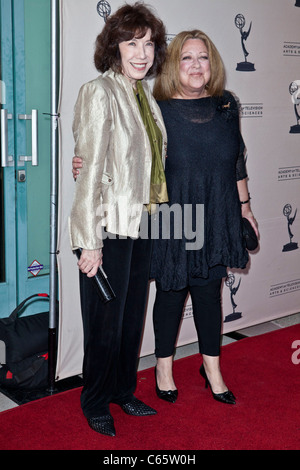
column 6, row 160
column 34, row 137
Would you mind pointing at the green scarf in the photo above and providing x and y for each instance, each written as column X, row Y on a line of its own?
column 158, row 187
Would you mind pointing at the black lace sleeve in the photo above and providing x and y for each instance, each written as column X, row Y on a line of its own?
column 229, row 107
column 241, row 171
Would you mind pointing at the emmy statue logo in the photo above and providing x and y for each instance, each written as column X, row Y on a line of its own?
column 294, row 90
column 287, row 210
column 240, row 23
column 230, row 280
column 103, row 9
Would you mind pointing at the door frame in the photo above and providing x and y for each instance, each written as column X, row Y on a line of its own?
column 18, row 285
column 8, row 287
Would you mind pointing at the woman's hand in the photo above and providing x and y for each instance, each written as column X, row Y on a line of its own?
column 89, row 261
column 245, row 203
column 247, row 213
column 76, row 164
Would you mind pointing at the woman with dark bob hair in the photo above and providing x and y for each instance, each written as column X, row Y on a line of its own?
column 119, row 28
column 120, row 135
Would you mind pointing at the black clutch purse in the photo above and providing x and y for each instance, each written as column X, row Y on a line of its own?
column 101, row 282
column 249, row 235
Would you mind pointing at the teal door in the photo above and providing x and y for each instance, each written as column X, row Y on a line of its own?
column 25, row 152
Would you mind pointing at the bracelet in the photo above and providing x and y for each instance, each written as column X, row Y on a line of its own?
column 245, row 202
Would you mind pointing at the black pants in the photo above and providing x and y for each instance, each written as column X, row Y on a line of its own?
column 167, row 313
column 112, row 331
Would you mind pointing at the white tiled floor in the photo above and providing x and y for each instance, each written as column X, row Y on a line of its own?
column 183, row 351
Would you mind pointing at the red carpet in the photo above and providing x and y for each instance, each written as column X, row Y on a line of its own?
column 263, row 372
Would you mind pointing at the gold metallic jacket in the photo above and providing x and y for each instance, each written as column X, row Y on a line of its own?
column 114, row 183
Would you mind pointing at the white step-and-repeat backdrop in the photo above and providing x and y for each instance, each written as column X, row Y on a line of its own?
column 267, row 83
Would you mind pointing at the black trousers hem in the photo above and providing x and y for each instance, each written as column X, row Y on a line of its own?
column 167, row 316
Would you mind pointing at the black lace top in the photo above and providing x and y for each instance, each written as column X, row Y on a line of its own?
column 205, row 158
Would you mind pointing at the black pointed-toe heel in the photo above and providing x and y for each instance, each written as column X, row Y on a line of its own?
column 167, row 395
column 103, row 425
column 136, row 407
column 225, row 397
